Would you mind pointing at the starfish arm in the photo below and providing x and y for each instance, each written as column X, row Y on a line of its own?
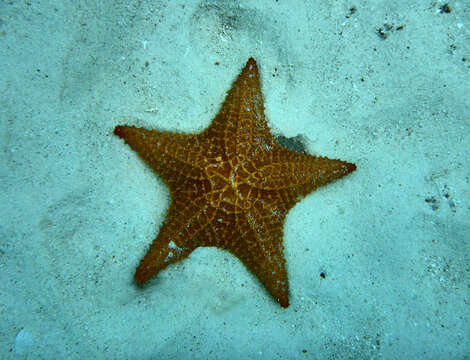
column 241, row 122
column 256, row 240
column 177, row 238
column 172, row 156
column 261, row 251
column 284, row 169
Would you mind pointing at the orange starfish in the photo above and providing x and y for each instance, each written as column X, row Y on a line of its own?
column 231, row 186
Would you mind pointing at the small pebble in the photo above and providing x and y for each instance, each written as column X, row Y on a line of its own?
column 23, row 342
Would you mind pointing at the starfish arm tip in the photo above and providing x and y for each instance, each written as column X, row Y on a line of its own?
column 351, row 167
column 119, row 131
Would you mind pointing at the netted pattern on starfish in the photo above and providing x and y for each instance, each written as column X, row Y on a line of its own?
column 231, row 186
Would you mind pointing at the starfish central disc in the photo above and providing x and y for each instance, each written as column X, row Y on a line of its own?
column 229, row 191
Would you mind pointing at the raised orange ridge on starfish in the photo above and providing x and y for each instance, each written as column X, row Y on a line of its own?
column 231, row 186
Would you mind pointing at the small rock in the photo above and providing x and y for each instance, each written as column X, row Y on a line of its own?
column 23, row 342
